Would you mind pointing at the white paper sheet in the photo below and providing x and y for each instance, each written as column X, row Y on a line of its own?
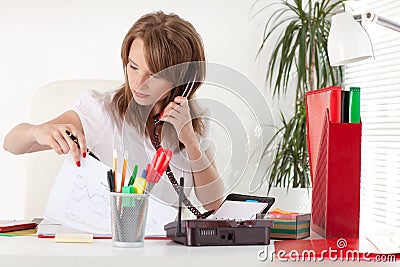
column 80, row 198
column 159, row 215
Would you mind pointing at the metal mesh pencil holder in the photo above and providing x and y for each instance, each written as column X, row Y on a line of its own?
column 128, row 219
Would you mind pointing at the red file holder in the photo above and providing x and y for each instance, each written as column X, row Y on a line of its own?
column 336, row 184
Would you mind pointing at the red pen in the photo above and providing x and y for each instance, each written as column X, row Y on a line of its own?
column 155, row 157
column 155, row 170
column 168, row 155
column 160, row 161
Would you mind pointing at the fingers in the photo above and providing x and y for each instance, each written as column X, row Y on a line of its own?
column 77, row 143
column 62, row 142
column 82, row 143
column 178, row 114
column 73, row 149
column 65, row 138
column 53, row 144
column 180, row 99
column 62, row 138
column 180, row 105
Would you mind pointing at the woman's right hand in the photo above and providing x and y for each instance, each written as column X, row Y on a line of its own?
column 28, row 138
column 55, row 136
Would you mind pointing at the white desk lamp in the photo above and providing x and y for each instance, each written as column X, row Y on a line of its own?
column 348, row 42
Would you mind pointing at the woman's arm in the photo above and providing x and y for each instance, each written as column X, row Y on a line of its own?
column 27, row 138
column 208, row 185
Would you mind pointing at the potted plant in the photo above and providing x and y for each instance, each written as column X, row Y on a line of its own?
column 301, row 49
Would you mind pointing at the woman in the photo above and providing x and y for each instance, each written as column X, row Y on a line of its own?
column 154, row 53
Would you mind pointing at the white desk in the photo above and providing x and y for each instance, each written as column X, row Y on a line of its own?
column 31, row 251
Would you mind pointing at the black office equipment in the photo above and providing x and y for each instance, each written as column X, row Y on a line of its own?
column 226, row 232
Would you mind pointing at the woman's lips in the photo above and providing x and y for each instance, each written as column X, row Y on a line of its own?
column 140, row 95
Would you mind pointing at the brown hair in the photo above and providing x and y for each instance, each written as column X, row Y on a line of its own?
column 168, row 41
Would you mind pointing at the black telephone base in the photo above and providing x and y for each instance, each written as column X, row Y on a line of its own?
column 211, row 232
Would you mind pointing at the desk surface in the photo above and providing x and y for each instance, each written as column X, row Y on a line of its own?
column 32, row 251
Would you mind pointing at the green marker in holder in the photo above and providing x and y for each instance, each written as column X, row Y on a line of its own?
column 133, row 176
column 126, row 200
column 354, row 105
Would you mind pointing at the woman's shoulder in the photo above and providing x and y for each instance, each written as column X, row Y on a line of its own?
column 92, row 104
column 93, row 96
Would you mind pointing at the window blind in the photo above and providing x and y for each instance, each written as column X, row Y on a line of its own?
column 379, row 80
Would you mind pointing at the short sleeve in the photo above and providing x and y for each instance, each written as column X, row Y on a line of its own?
column 90, row 108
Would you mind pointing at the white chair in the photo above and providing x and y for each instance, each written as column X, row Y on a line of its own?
column 48, row 102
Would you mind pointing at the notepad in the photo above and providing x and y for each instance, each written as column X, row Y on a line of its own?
column 7, row 225
column 239, row 210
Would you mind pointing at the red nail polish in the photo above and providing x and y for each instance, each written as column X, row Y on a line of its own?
column 160, row 115
column 84, row 155
column 78, row 163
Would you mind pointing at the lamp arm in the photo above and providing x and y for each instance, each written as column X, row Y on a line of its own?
column 372, row 17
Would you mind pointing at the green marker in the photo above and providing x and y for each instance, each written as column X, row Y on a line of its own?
column 128, row 201
column 133, row 176
column 354, row 105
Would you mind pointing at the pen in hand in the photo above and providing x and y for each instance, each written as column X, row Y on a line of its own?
column 75, row 140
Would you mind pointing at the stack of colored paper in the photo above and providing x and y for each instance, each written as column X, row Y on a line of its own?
column 289, row 225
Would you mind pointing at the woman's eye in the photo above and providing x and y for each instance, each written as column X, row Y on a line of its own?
column 133, row 67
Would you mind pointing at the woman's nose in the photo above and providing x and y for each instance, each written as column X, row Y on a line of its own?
column 141, row 79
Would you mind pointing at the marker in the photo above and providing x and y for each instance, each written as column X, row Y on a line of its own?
column 127, row 201
column 354, row 105
column 115, row 168
column 345, row 106
column 124, row 170
column 110, row 180
column 139, row 185
column 133, row 176
column 155, row 170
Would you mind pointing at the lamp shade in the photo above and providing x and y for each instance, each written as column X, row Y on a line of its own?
column 347, row 41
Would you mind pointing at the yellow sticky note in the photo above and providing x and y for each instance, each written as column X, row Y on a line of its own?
column 73, row 238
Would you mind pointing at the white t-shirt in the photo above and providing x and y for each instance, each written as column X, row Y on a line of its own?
column 102, row 136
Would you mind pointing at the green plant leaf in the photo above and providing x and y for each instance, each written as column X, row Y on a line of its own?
column 302, row 30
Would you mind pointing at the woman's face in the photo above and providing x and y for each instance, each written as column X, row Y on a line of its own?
column 146, row 89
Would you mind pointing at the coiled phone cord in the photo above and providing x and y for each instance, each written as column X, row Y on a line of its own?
column 175, row 185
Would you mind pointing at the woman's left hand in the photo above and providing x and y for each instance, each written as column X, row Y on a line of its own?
column 178, row 114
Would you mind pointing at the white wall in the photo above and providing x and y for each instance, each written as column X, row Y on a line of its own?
column 46, row 40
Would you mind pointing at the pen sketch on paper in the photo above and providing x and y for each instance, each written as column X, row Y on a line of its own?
column 84, row 196
column 80, row 198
